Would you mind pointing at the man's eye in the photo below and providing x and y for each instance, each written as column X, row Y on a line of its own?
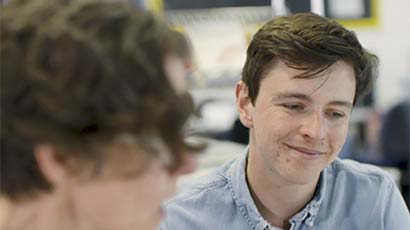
column 294, row 107
column 336, row 114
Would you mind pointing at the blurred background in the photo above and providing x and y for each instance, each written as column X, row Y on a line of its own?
column 220, row 31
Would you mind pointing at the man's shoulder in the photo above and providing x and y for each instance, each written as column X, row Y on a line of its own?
column 197, row 205
column 365, row 193
column 358, row 170
column 207, row 185
column 359, row 175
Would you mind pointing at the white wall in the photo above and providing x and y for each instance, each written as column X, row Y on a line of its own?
column 391, row 42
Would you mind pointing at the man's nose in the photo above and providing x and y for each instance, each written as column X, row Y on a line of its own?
column 313, row 127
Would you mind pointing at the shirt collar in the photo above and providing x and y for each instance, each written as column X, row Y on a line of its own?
column 243, row 199
column 309, row 212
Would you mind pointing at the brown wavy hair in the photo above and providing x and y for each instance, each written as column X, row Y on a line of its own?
column 79, row 73
column 307, row 42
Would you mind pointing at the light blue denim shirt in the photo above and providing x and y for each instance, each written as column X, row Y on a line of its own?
column 349, row 196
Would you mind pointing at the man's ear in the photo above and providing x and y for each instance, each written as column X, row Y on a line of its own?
column 244, row 104
column 52, row 169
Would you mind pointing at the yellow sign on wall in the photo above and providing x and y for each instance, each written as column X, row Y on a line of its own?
column 354, row 13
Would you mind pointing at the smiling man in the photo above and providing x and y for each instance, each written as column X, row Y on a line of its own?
column 302, row 76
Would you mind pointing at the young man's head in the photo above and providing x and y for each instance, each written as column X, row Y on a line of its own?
column 88, row 108
column 302, row 76
column 309, row 43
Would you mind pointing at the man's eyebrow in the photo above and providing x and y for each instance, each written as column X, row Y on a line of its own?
column 342, row 103
column 301, row 96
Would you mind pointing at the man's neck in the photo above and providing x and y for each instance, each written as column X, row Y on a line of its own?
column 276, row 199
column 39, row 213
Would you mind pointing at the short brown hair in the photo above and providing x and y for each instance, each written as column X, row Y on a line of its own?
column 76, row 73
column 308, row 42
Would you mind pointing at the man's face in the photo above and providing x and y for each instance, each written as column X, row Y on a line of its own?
column 177, row 69
column 123, row 203
column 128, row 194
column 298, row 125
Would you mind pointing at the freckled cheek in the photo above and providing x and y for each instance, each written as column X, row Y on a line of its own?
column 272, row 143
column 280, row 151
column 277, row 137
column 274, row 128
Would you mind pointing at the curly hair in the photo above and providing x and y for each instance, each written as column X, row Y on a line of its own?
column 308, row 42
column 77, row 73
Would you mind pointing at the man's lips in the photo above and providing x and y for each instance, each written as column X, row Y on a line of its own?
column 306, row 151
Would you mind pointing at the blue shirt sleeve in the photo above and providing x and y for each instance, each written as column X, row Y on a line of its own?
column 396, row 214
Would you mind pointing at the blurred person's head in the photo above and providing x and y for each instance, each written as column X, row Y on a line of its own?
column 303, row 74
column 91, row 123
column 179, row 61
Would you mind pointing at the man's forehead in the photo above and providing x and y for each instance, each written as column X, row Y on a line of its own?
column 304, row 72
